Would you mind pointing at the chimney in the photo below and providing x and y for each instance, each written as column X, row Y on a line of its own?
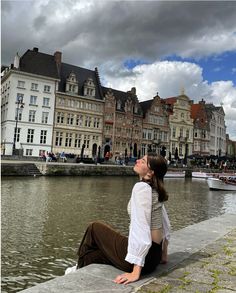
column 202, row 102
column 57, row 57
column 133, row 90
column 35, row 49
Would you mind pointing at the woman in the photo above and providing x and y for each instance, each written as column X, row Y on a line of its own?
column 141, row 252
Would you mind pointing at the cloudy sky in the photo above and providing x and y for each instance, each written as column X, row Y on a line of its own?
column 155, row 46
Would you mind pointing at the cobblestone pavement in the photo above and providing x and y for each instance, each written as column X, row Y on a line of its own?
column 211, row 270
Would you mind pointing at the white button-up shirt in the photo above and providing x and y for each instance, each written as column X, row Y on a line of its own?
column 140, row 239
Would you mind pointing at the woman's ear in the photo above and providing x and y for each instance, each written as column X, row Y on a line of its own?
column 150, row 174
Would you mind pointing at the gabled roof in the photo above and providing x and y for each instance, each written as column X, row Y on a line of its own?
column 122, row 97
column 39, row 63
column 146, row 106
column 195, row 110
column 170, row 101
column 82, row 75
column 43, row 64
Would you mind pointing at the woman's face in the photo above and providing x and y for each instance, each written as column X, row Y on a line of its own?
column 141, row 167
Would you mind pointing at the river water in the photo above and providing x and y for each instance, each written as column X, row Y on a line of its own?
column 44, row 218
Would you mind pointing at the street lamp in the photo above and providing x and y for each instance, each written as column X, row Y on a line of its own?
column 20, row 105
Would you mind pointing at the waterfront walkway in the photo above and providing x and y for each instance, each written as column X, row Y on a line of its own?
column 202, row 258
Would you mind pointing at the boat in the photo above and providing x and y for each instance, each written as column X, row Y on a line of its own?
column 222, row 183
column 206, row 175
column 175, row 174
column 202, row 175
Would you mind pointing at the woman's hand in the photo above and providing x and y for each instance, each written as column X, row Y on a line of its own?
column 127, row 278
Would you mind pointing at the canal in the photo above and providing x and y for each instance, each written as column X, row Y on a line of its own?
column 44, row 218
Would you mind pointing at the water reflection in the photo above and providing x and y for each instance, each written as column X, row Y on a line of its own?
column 43, row 219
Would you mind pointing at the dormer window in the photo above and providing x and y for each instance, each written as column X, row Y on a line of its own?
column 89, row 88
column 72, row 84
column 119, row 105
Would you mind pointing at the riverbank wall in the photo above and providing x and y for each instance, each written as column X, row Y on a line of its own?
column 201, row 259
column 39, row 168
column 17, row 168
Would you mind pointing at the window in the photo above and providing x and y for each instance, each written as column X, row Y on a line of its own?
column 21, row 84
column 46, row 102
column 33, row 100
column 28, row 152
column 68, row 140
column 47, row 88
column 86, row 140
column 43, row 136
column 30, row 135
column 60, row 117
column 19, row 97
column 174, row 132
column 119, row 105
column 45, row 117
column 17, row 135
column 34, row 86
column 88, row 121
column 19, row 114
column 59, row 136
column 70, row 119
column 187, row 133
column 95, row 122
column 77, row 140
column 79, row 120
column 32, row 115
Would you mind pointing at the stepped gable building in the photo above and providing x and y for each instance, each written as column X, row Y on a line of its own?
column 216, row 116
column 201, row 133
column 122, row 123
column 79, row 111
column 181, row 125
column 27, row 105
column 155, row 126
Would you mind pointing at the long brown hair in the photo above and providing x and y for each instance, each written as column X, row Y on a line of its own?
column 158, row 165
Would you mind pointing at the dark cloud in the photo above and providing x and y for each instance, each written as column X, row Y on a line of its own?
column 118, row 30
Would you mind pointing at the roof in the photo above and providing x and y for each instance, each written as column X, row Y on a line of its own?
column 195, row 110
column 43, row 64
column 123, row 97
column 39, row 63
column 146, row 106
column 82, row 75
column 170, row 101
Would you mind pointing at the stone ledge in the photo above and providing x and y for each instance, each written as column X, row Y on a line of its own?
column 99, row 278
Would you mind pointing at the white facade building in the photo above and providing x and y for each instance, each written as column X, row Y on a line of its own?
column 28, row 103
column 217, row 131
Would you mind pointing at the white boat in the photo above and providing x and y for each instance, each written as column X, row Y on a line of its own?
column 203, row 175
column 175, row 174
column 222, row 183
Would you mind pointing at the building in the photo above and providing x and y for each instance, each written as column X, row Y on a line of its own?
column 216, row 116
column 78, row 123
column 122, row 123
column 230, row 147
column 181, row 125
column 58, row 107
column 27, row 104
column 155, row 127
column 201, row 133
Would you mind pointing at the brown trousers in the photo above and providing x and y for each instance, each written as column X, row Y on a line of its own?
column 102, row 244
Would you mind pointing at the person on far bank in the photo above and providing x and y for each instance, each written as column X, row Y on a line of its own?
column 140, row 252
